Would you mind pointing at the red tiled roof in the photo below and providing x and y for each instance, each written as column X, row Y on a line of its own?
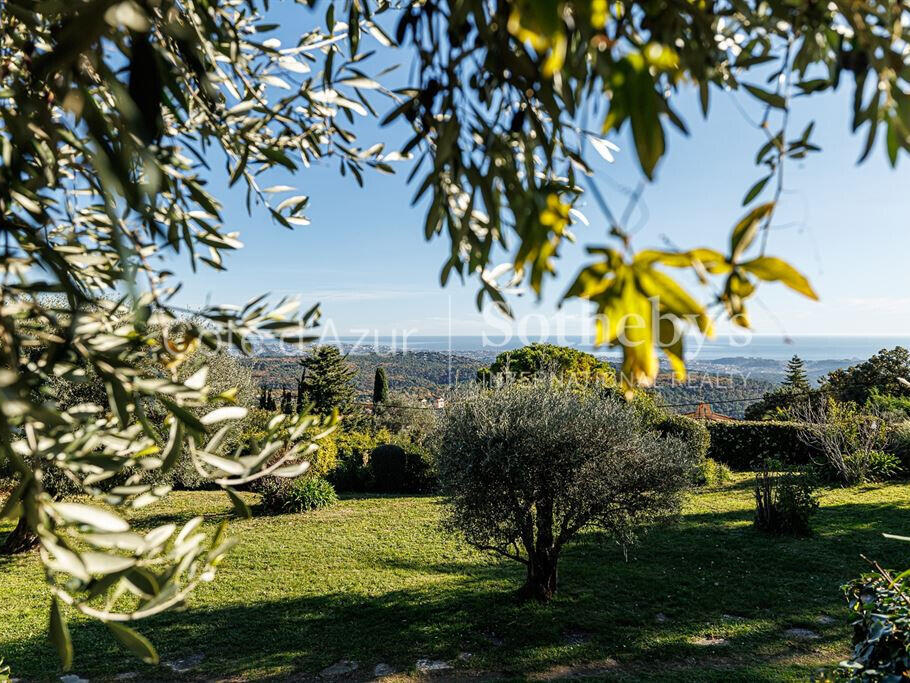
column 704, row 412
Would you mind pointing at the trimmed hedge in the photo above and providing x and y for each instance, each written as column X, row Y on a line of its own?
column 692, row 432
column 742, row 443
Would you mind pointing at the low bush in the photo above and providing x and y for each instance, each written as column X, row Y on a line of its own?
column 395, row 469
column 712, row 473
column 785, row 499
column 295, row 495
column 741, row 445
column 875, row 465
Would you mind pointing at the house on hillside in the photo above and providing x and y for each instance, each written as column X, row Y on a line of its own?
column 704, row 412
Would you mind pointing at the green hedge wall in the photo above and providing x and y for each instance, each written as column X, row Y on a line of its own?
column 741, row 443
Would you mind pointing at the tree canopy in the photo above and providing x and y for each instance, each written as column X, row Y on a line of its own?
column 885, row 372
column 512, row 95
column 539, row 358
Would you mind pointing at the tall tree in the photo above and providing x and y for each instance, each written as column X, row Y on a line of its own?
column 380, row 386
column 796, row 378
column 327, row 380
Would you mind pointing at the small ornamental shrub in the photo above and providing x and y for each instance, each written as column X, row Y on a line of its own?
column 712, row 473
column 784, row 499
column 310, row 493
column 279, row 495
column 875, row 465
column 395, row 469
column 881, row 631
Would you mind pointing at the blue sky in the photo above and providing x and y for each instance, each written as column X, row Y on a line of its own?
column 364, row 257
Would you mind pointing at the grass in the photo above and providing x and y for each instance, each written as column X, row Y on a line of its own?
column 376, row 580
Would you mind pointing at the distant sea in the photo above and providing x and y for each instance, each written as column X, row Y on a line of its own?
column 771, row 347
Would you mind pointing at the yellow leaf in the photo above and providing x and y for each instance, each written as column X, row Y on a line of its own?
column 772, row 269
column 672, row 344
column 744, row 232
column 673, row 298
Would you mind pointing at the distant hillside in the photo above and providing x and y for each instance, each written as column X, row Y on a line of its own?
column 425, row 374
column 768, row 369
column 727, row 394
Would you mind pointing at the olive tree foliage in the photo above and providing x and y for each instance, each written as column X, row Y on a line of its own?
column 512, row 96
column 528, row 465
column 111, row 116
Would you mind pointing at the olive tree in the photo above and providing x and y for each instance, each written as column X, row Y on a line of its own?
column 528, row 465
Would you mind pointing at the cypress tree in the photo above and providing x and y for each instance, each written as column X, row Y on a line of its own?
column 327, row 380
column 796, row 379
column 380, row 386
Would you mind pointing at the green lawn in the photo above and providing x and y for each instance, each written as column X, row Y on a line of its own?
column 375, row 580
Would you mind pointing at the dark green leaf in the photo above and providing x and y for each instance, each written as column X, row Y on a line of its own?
column 60, row 636
column 134, row 641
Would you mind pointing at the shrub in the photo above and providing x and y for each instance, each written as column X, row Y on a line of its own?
column 875, row 465
column 892, row 408
column 691, row 432
column 898, row 443
column 712, row 473
column 881, row 632
column 846, row 435
column 784, row 500
column 742, row 444
column 295, row 495
column 527, row 465
column 352, row 449
column 393, row 469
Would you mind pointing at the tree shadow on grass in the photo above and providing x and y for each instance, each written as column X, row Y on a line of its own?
column 708, row 577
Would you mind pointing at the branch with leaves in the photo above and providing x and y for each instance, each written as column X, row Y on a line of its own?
column 112, row 114
column 500, row 114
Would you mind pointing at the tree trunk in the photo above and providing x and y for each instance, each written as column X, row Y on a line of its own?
column 542, row 556
column 20, row 540
column 541, row 581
